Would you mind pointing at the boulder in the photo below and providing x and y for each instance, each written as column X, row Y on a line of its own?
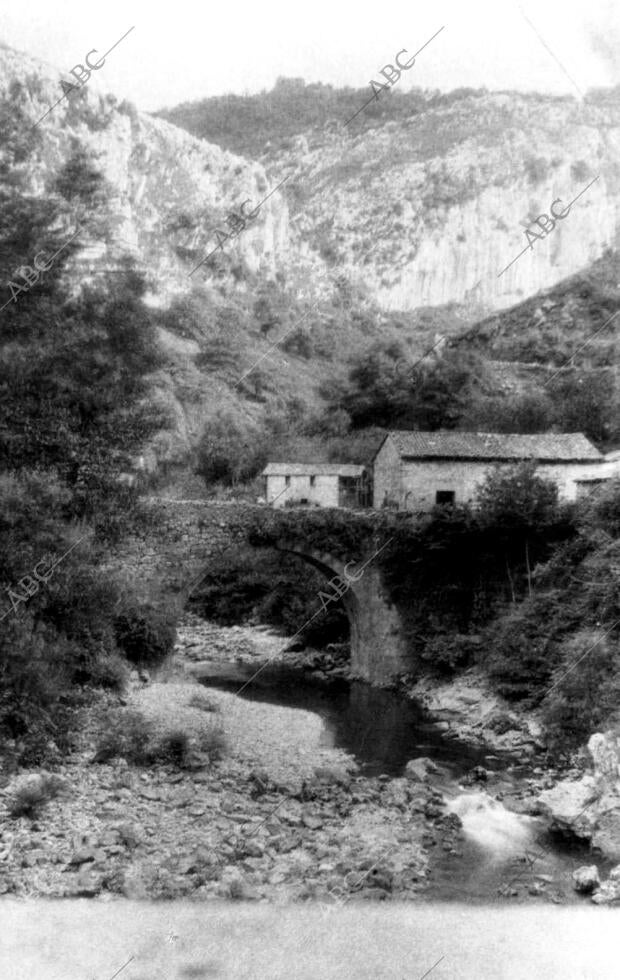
column 570, row 806
column 609, row 891
column 589, row 807
column 586, row 879
column 606, row 833
column 420, row 768
column 604, row 751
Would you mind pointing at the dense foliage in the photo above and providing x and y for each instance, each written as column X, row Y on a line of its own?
column 73, row 380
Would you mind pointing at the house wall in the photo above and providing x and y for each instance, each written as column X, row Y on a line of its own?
column 421, row 479
column 386, row 475
column 324, row 491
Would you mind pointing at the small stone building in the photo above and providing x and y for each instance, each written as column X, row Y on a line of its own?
column 417, row 470
column 322, row 484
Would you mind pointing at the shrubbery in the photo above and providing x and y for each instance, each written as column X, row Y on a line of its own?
column 145, row 634
column 129, row 735
column 585, row 692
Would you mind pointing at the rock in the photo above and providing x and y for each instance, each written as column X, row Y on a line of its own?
column 536, row 888
column 569, row 805
column 332, row 774
column 609, row 891
column 432, row 811
column 586, row 879
column 419, row 769
column 478, row 775
column 396, row 793
column 589, row 807
column 606, row 833
column 88, row 883
column 604, row 751
column 83, row 856
column 129, row 834
column 501, row 722
column 311, row 820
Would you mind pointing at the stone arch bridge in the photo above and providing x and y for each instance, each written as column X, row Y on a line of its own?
column 170, row 558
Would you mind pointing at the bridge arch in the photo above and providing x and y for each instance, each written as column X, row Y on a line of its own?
column 378, row 645
column 170, row 559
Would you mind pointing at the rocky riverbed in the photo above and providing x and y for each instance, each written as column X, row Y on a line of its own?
column 278, row 817
column 282, row 815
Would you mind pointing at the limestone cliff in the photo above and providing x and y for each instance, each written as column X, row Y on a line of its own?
column 427, row 207
column 169, row 191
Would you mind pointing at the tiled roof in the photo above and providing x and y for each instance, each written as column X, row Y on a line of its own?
column 545, row 446
column 312, row 469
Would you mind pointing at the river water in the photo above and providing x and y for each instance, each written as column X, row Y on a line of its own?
column 505, row 856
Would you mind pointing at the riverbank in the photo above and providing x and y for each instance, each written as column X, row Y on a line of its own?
column 284, row 815
column 279, row 817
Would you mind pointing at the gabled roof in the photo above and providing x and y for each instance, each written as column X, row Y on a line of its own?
column 547, row 447
column 312, row 469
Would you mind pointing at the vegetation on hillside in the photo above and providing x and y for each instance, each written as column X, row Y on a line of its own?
column 245, row 124
column 72, row 389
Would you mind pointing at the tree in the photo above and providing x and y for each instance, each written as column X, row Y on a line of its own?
column 385, row 390
column 581, row 406
column 516, row 498
column 228, row 451
column 519, row 506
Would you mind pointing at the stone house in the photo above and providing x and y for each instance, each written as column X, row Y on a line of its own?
column 322, row 484
column 417, row 470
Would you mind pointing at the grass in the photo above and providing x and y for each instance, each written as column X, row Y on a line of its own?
column 129, row 735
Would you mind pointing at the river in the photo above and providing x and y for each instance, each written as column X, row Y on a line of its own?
column 502, row 851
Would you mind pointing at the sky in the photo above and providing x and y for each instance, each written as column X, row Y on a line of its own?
column 184, row 50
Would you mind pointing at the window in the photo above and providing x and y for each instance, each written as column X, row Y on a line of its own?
column 312, row 480
column 444, row 497
column 287, row 481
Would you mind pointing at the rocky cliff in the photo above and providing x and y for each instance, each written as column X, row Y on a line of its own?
column 169, row 191
column 442, row 192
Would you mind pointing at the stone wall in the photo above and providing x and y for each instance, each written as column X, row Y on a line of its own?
column 166, row 561
column 167, row 558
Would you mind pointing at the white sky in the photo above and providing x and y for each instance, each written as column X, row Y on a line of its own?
column 182, row 50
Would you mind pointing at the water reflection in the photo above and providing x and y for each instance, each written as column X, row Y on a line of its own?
column 383, row 730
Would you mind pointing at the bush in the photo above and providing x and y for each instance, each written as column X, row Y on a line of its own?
column 585, row 692
column 446, row 653
column 32, row 792
column 145, row 635
column 229, row 451
column 521, row 647
column 173, row 747
column 515, row 497
column 603, row 510
column 127, row 734
column 35, row 671
column 213, row 743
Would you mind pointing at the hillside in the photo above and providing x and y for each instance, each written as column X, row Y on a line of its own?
column 380, row 232
column 553, row 326
column 438, row 188
column 165, row 194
